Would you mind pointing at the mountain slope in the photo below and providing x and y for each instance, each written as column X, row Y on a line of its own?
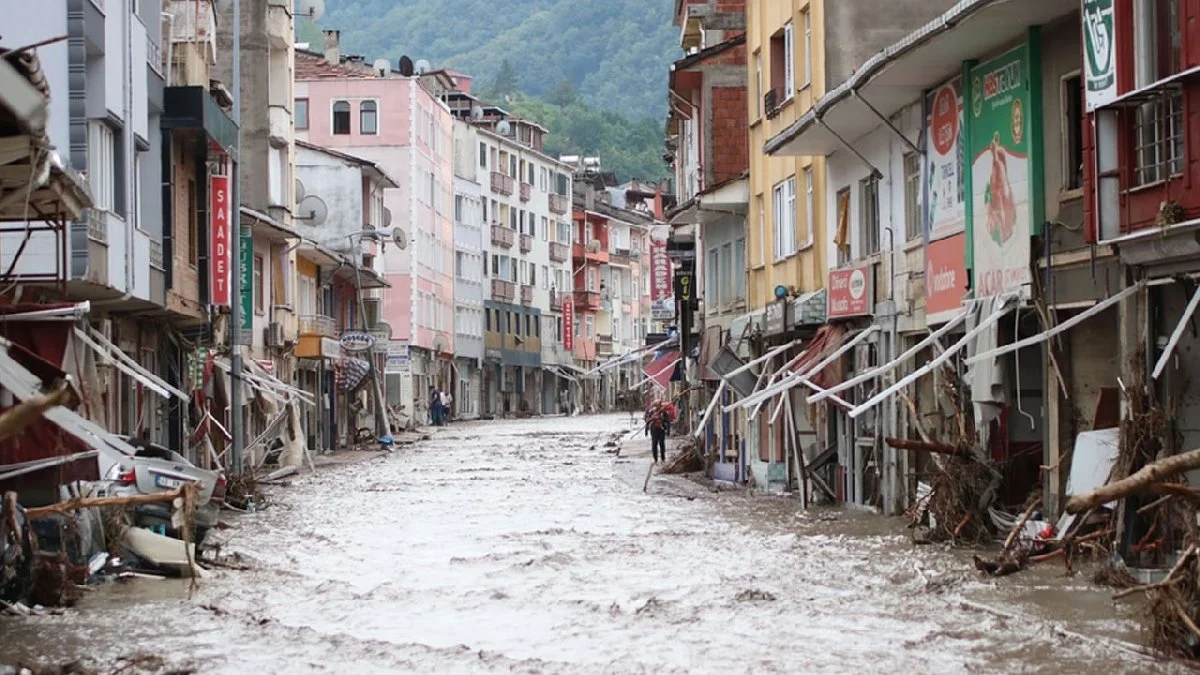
column 615, row 52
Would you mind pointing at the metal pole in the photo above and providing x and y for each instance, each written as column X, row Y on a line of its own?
column 383, row 426
column 235, row 252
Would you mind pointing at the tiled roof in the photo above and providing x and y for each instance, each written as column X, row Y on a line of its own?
column 312, row 66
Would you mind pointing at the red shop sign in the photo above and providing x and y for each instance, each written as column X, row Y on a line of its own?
column 219, row 256
column 568, row 312
column 851, row 292
column 945, row 278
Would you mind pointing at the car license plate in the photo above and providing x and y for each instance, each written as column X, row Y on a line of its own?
column 169, row 483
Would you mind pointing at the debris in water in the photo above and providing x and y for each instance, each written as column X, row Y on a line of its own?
column 755, row 595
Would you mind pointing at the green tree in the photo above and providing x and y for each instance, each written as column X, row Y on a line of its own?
column 505, row 82
column 564, row 95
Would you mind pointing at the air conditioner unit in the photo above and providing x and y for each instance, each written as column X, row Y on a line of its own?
column 274, row 334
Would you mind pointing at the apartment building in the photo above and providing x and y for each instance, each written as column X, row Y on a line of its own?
column 402, row 124
column 469, row 252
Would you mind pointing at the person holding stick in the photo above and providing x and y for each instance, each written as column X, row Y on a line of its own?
column 658, row 425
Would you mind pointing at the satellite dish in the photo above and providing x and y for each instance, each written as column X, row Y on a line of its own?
column 503, row 128
column 312, row 10
column 382, row 67
column 422, row 66
column 387, row 217
column 300, row 193
column 406, row 66
column 313, row 209
column 476, row 112
column 593, row 246
column 399, row 239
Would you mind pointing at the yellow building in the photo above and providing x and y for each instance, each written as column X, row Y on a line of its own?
column 785, row 229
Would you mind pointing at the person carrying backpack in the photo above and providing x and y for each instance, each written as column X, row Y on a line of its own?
column 658, row 425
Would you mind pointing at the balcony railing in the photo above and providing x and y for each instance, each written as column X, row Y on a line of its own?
column 318, row 325
column 526, row 243
column 97, row 226
column 156, row 255
column 503, row 236
column 604, row 345
column 526, row 192
column 559, row 252
column 503, row 291
column 559, row 204
column 526, row 295
column 587, row 300
column 154, row 55
column 502, row 184
column 556, row 301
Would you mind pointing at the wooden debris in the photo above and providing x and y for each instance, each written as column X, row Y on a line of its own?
column 1142, row 480
column 923, row 446
column 100, row 502
column 14, row 420
column 1016, row 531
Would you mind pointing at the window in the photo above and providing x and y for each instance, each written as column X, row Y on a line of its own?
column 545, row 228
column 842, row 238
column 739, row 270
column 726, row 274
column 807, row 49
column 1158, row 134
column 483, row 154
column 590, row 323
column 260, row 306
column 193, row 231
column 341, row 118
column 277, row 167
column 810, row 208
column 1157, row 40
column 564, row 233
column 762, row 239
column 1072, row 132
column 783, row 63
column 869, row 215
column 783, row 200
column 368, row 118
column 758, row 84
column 712, row 288
column 545, row 277
column 102, row 166
column 487, row 318
column 300, row 113
column 912, row 196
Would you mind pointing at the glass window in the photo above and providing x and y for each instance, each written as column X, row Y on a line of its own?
column 300, row 113
column 912, row 195
column 869, row 215
column 368, row 118
column 341, row 118
column 260, row 306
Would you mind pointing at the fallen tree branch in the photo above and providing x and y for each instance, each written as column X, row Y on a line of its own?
column 1141, row 480
column 14, row 420
column 923, row 446
column 1167, row 580
column 1012, row 536
column 1187, row 620
column 1156, row 503
column 99, row 502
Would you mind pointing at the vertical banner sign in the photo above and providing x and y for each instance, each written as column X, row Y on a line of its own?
column 944, row 150
column 1002, row 185
column 219, row 233
column 246, row 251
column 945, row 278
column 662, row 292
column 1099, row 53
column 568, row 319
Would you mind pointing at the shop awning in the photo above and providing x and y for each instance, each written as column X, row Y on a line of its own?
column 802, row 369
column 112, row 354
column 266, row 384
column 659, row 371
column 1001, row 306
column 635, row 355
column 25, row 385
column 901, row 74
column 555, row 370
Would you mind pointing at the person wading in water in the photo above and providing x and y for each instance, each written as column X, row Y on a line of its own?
column 658, row 425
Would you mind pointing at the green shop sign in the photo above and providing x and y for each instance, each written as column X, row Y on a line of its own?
column 1004, row 146
column 1099, row 52
column 246, row 270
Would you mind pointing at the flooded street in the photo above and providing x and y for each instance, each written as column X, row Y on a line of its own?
column 527, row 546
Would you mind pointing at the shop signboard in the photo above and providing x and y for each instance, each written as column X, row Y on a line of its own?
column 568, row 324
column 1099, row 53
column 357, row 341
column 246, row 261
column 851, row 292
column 1005, row 191
column 945, row 278
column 945, row 145
column 219, row 245
column 398, row 358
column 662, row 296
column 776, row 318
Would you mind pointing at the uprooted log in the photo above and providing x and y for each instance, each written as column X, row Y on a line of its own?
column 14, row 420
column 923, row 446
column 1141, row 481
column 101, row 502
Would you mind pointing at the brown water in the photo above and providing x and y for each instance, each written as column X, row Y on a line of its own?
column 524, row 547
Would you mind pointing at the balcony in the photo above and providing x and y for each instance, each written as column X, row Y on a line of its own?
column 154, row 55
column 503, row 291
column 280, row 26
column 501, row 184
column 559, row 204
column 97, row 226
column 556, row 301
column 526, row 192
column 526, row 243
column 587, row 300
column 279, row 123
column 581, row 252
column 526, row 295
column 619, row 256
column 317, row 325
column 604, row 345
column 503, row 236
column 559, row 252
column 156, row 254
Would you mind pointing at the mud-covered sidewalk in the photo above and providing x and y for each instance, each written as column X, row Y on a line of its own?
column 530, row 546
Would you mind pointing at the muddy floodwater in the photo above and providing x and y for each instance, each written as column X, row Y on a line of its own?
column 529, row 547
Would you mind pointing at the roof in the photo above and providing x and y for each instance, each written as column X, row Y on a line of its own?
column 383, row 176
column 707, row 53
column 313, row 66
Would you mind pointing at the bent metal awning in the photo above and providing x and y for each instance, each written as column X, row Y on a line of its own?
column 900, row 75
column 111, row 354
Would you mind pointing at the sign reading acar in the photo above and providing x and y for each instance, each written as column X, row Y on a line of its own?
column 1005, row 168
column 851, row 292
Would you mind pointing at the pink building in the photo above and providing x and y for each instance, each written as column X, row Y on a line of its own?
column 400, row 124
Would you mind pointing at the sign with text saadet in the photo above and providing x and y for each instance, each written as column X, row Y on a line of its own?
column 219, row 245
column 1002, row 171
column 945, row 278
column 945, row 147
column 1099, row 53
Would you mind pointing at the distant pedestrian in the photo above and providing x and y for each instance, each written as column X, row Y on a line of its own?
column 658, row 425
column 435, row 406
column 447, row 401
